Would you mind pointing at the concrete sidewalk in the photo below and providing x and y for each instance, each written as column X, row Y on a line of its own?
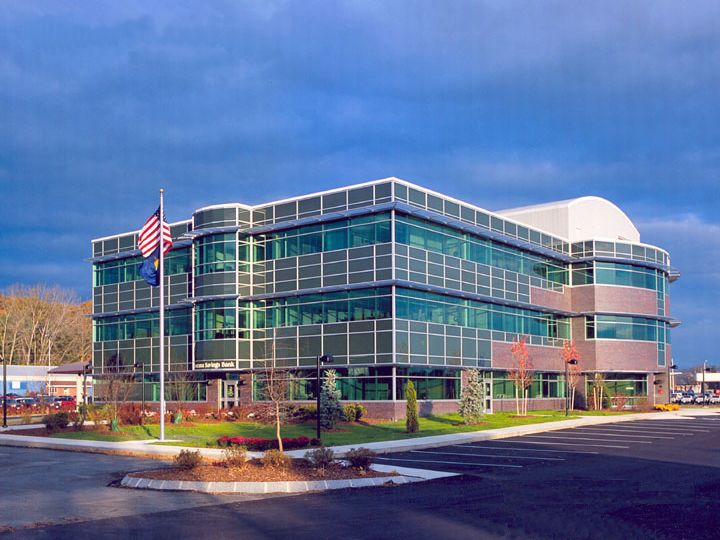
column 147, row 448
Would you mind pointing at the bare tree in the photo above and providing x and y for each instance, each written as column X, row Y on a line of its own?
column 43, row 323
column 10, row 322
column 113, row 386
column 521, row 374
column 276, row 390
column 181, row 386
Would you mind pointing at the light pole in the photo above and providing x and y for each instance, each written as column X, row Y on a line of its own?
column 572, row 361
column 324, row 359
column 670, row 369
column 4, row 391
column 702, row 389
column 142, row 385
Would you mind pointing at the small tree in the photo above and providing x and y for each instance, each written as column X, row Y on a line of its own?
column 114, row 387
column 472, row 399
column 331, row 412
column 598, row 390
column 276, row 391
column 570, row 352
column 412, row 424
column 521, row 374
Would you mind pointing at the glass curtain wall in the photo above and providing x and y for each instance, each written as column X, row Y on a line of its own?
column 429, row 307
column 342, row 234
column 371, row 383
column 177, row 261
column 440, row 239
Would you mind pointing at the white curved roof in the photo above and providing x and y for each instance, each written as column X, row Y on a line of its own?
column 584, row 218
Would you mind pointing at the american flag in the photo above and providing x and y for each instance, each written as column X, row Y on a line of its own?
column 149, row 237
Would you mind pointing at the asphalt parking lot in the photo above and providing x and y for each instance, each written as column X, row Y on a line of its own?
column 693, row 441
column 39, row 488
column 648, row 479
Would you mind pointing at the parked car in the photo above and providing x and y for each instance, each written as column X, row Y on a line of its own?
column 26, row 402
column 699, row 399
column 12, row 403
column 714, row 399
column 675, row 397
column 45, row 401
column 687, row 399
column 65, row 402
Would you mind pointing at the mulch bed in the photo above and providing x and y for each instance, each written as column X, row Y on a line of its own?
column 253, row 471
column 36, row 432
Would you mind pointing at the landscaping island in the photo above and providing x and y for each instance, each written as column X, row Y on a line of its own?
column 204, row 433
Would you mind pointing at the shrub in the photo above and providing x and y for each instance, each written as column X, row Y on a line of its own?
column 130, row 414
column 412, row 424
column 354, row 412
column 360, row 412
column 350, row 412
column 255, row 443
column 320, row 457
column 56, row 421
column 361, row 458
column 98, row 414
column 235, row 456
column 667, row 407
column 300, row 413
column 275, row 459
column 187, row 460
column 331, row 412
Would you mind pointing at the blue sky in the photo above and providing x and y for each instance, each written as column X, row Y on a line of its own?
column 499, row 103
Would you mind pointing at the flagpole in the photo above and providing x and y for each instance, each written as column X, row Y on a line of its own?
column 162, row 320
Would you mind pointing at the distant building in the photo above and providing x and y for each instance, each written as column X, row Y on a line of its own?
column 398, row 283
column 63, row 380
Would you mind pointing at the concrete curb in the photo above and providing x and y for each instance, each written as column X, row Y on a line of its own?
column 384, row 447
column 407, row 476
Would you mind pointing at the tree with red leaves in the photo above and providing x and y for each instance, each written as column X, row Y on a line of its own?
column 521, row 374
column 570, row 352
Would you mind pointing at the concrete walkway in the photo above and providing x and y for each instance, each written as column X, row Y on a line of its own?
column 147, row 448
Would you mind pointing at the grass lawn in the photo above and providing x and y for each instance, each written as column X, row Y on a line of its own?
column 207, row 434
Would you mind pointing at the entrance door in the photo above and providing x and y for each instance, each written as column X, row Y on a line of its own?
column 229, row 397
column 488, row 395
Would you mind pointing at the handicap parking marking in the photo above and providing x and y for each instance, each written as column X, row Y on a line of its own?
column 614, row 432
column 506, row 449
column 464, row 464
column 494, row 456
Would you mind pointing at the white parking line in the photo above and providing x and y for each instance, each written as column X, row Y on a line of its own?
column 451, row 463
column 504, row 448
column 653, row 424
column 583, row 439
column 469, row 454
column 613, row 432
column 662, row 431
column 570, row 444
column 699, row 423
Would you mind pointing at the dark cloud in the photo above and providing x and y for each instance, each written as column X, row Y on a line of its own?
column 503, row 104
